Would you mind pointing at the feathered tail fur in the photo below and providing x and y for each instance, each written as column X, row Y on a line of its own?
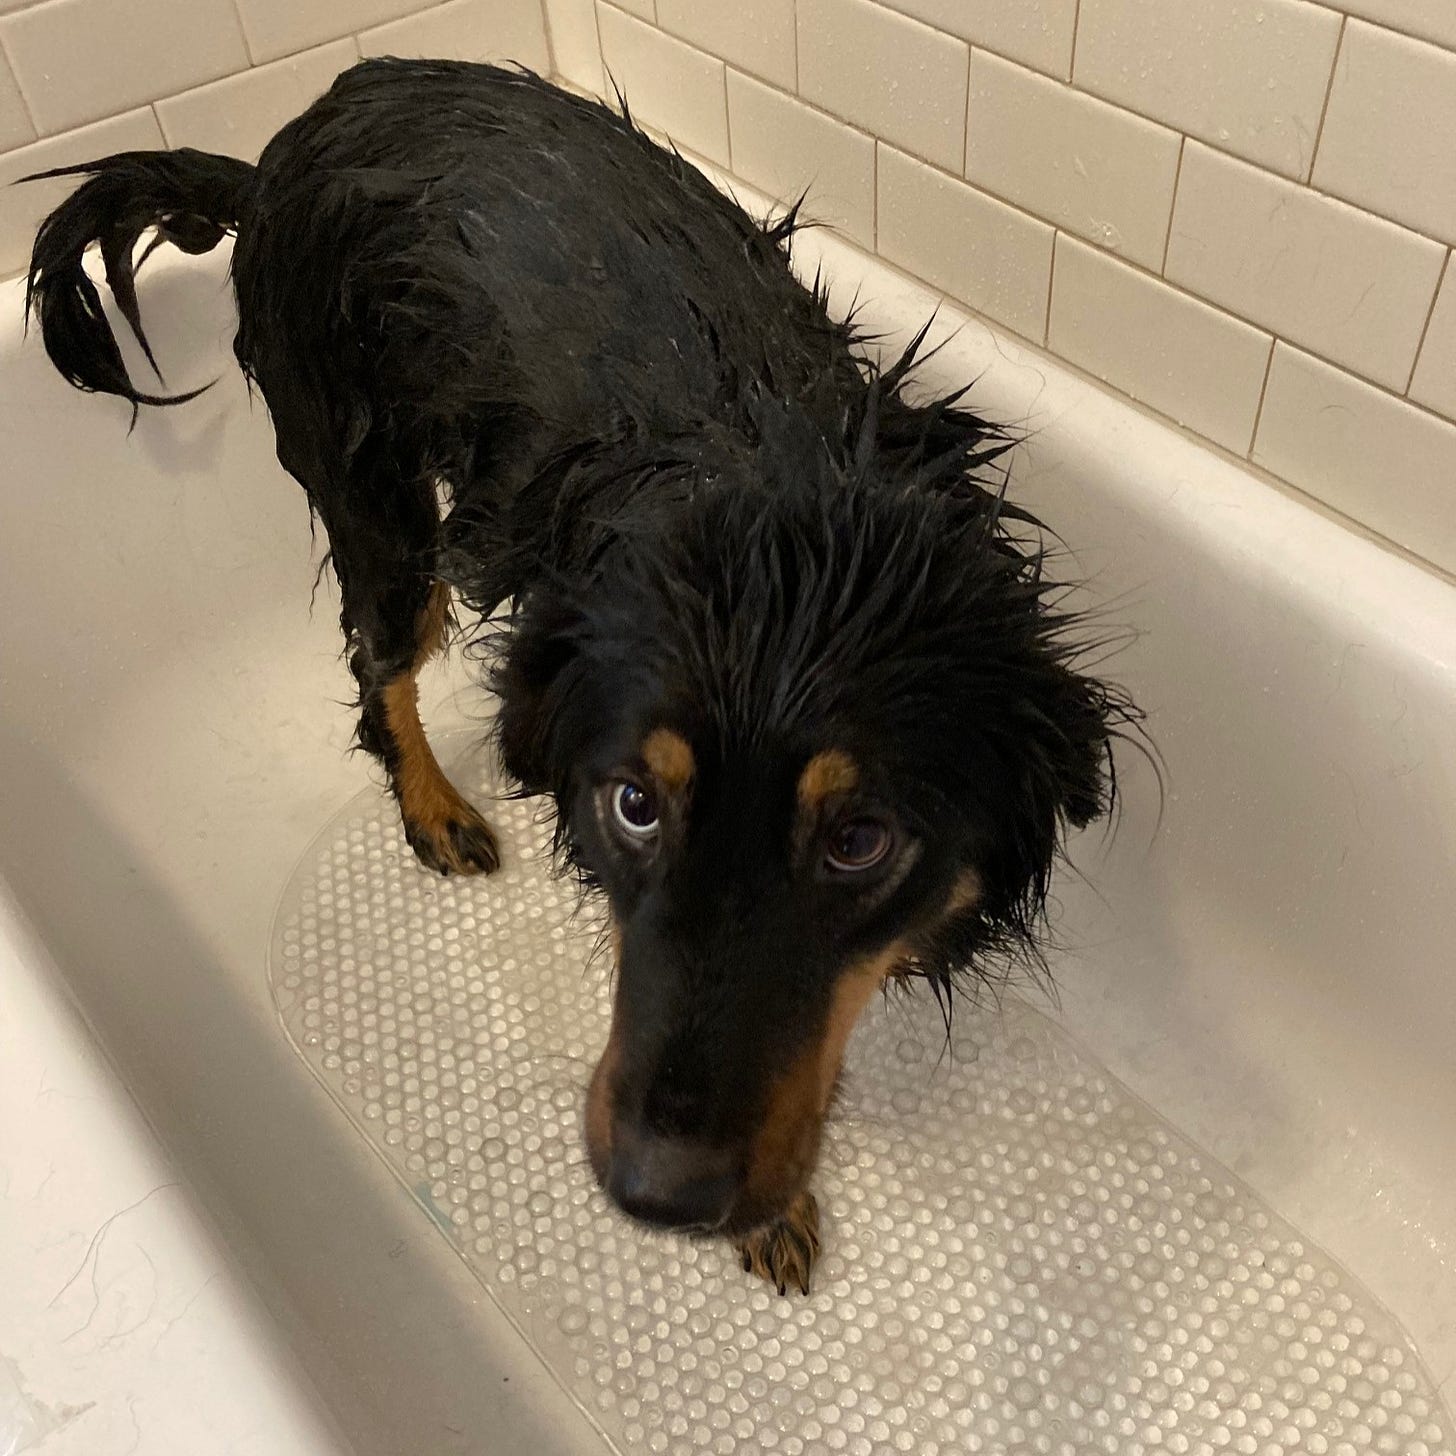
column 192, row 198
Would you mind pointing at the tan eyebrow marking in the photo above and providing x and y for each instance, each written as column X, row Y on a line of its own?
column 963, row 894
column 827, row 773
column 670, row 758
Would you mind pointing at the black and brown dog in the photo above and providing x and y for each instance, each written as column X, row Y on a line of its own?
column 793, row 674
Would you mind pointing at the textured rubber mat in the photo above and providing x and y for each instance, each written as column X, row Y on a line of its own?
column 1019, row 1257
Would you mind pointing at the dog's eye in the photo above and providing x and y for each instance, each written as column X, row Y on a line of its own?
column 858, row 844
column 635, row 810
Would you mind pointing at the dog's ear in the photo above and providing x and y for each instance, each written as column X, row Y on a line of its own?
column 533, row 679
column 1056, row 774
column 1075, row 752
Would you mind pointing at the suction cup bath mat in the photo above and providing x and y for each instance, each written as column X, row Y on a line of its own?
column 1019, row 1257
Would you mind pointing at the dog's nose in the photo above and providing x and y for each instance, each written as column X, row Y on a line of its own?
column 672, row 1182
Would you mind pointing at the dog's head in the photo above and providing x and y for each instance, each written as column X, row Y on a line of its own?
column 804, row 738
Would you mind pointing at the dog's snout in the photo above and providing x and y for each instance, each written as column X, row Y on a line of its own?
column 673, row 1182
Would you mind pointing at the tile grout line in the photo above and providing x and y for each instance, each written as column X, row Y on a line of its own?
column 24, row 99
column 601, row 55
column 1263, row 395
column 1395, row 28
column 1076, row 31
column 727, row 120
column 1172, row 209
column 608, row 84
column 794, row 16
column 243, row 31
column 1426, row 327
column 1046, row 331
column 966, row 114
column 555, row 70
column 875, row 195
column 1319, row 131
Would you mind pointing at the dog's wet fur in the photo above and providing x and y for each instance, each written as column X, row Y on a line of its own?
column 762, row 623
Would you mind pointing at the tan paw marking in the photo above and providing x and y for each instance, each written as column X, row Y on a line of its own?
column 783, row 1252
column 454, row 840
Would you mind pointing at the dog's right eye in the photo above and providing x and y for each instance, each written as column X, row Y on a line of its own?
column 858, row 844
column 635, row 810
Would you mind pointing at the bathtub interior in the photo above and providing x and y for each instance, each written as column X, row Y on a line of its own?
column 1264, row 957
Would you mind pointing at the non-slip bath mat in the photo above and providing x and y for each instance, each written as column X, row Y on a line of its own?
column 1019, row 1256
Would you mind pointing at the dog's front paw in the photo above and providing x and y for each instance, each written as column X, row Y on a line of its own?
column 455, row 841
column 783, row 1252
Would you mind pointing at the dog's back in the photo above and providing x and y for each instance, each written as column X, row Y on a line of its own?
column 496, row 266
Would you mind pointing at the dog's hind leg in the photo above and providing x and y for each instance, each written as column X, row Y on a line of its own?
column 383, row 535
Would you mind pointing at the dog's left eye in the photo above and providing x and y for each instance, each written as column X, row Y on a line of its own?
column 858, row 844
column 635, row 810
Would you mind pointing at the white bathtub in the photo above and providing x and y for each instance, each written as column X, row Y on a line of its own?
column 1273, row 967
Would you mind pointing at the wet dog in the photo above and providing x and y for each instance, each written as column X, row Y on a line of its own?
column 771, row 638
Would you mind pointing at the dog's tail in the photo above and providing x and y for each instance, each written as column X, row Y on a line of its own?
column 192, row 198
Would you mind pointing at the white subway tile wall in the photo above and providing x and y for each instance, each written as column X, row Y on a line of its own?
column 16, row 127
column 576, row 49
column 280, row 27
column 993, row 257
column 1341, row 282
column 670, row 85
column 82, row 60
column 643, row 9
column 1038, row 33
column 1251, row 204
column 1389, row 141
column 25, row 206
column 80, row 78
column 892, row 76
column 1434, row 381
column 1429, row 19
column 1375, row 457
column 1094, row 169
column 757, row 35
column 239, row 114
column 786, row 148
column 1184, row 358
column 1246, row 75
column 466, row 30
